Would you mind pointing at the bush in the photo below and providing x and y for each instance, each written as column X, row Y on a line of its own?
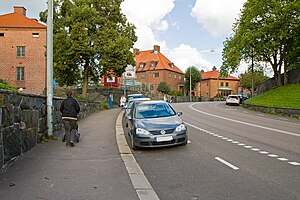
column 4, row 85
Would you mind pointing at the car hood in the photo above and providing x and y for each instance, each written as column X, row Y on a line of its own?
column 159, row 123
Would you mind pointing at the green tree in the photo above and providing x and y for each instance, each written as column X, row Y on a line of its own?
column 246, row 79
column 163, row 87
column 195, row 77
column 266, row 31
column 92, row 38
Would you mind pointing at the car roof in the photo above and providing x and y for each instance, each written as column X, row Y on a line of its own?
column 152, row 102
column 132, row 95
column 140, row 99
column 234, row 95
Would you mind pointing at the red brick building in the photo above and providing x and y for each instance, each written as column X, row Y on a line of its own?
column 152, row 68
column 212, row 84
column 23, row 51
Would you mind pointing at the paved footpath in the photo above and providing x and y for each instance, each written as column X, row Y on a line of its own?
column 93, row 169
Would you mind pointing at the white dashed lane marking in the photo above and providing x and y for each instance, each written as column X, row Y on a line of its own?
column 254, row 149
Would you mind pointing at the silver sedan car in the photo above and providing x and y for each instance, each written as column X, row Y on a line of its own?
column 155, row 124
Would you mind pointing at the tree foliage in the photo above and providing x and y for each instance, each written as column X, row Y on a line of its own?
column 92, row 38
column 195, row 77
column 266, row 31
column 246, row 79
column 163, row 87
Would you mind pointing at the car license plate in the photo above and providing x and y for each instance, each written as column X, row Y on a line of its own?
column 164, row 138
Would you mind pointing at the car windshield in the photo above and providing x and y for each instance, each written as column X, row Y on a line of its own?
column 153, row 111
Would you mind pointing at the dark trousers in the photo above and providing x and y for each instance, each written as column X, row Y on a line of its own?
column 70, row 130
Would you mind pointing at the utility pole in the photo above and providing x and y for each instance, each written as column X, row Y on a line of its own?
column 190, row 84
column 252, row 76
column 50, row 67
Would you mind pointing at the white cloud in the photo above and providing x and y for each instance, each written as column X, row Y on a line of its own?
column 185, row 56
column 147, row 16
column 217, row 16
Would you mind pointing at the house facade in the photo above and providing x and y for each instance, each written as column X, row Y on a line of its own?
column 152, row 68
column 23, row 51
column 212, row 84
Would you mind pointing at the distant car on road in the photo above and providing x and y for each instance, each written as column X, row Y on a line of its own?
column 243, row 98
column 155, row 124
column 129, row 105
column 133, row 96
column 233, row 100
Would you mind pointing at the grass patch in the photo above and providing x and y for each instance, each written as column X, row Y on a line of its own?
column 287, row 96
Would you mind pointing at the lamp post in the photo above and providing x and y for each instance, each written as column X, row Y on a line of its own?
column 50, row 67
column 190, row 84
column 252, row 75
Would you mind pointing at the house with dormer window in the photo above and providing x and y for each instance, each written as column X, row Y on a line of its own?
column 152, row 68
column 22, row 52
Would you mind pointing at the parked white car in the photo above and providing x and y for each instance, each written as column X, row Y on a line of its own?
column 233, row 100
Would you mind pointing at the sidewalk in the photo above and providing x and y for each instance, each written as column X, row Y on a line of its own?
column 91, row 170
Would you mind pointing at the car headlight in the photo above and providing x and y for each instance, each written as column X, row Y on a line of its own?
column 141, row 131
column 180, row 128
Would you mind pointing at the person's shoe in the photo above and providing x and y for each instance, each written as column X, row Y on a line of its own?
column 72, row 143
column 63, row 138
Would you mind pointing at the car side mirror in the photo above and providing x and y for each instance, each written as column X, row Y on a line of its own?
column 129, row 117
column 179, row 113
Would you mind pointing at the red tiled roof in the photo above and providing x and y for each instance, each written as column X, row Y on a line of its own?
column 150, row 56
column 215, row 75
column 15, row 20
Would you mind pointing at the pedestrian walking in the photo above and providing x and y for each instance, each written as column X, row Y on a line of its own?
column 122, row 101
column 70, row 109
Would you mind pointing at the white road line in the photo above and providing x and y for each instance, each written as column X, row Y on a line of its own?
column 294, row 163
column 272, row 155
column 282, row 159
column 263, row 152
column 246, row 123
column 243, row 145
column 226, row 163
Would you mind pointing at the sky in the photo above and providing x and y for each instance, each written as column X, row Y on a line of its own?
column 189, row 32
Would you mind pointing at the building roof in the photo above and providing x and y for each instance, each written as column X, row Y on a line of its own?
column 15, row 20
column 215, row 75
column 154, row 60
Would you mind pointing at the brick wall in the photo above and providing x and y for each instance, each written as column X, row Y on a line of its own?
column 174, row 83
column 34, row 60
column 209, row 87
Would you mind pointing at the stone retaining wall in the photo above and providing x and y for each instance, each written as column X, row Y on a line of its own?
column 23, row 121
column 291, row 112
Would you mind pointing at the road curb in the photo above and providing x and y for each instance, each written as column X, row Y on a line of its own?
column 138, row 179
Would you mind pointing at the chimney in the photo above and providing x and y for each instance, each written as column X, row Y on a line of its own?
column 135, row 51
column 156, row 49
column 20, row 10
column 214, row 68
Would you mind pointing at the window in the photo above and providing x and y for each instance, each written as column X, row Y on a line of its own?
column 156, row 74
column 222, row 84
column 35, row 35
column 179, row 77
column 227, row 84
column 170, row 75
column 175, row 76
column 1, row 34
column 151, row 87
column 141, row 65
column 20, row 51
column 143, row 75
column 20, row 74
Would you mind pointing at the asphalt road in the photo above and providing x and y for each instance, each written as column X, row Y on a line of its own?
column 234, row 153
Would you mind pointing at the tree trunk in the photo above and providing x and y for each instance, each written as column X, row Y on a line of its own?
column 85, row 80
column 285, row 75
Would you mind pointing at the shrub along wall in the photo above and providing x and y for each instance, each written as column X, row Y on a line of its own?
column 23, row 121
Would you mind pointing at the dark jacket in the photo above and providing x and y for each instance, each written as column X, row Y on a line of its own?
column 69, row 108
